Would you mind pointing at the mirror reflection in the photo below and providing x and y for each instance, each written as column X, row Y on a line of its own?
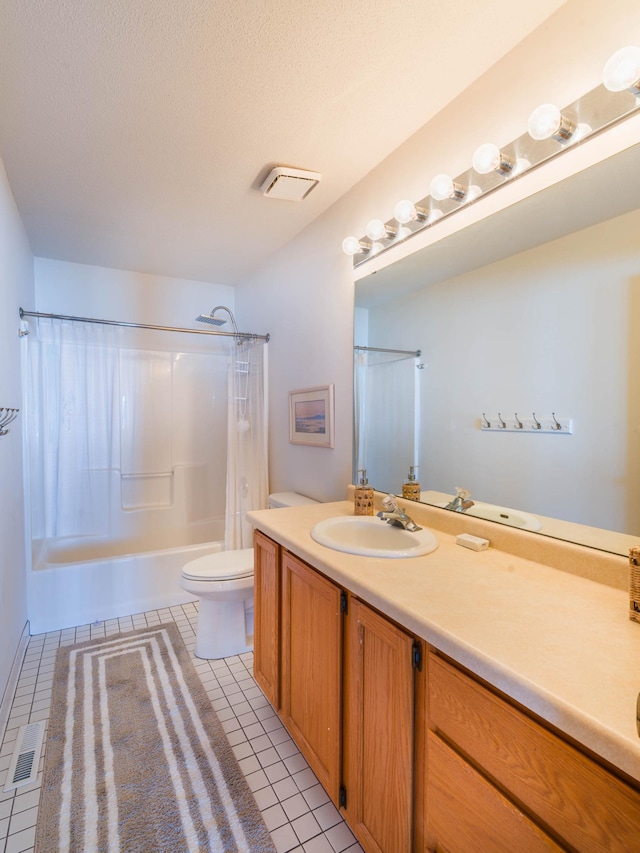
column 529, row 317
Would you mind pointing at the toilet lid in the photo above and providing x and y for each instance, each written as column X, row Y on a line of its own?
column 223, row 565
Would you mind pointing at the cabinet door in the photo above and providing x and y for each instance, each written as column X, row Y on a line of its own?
column 311, row 668
column 266, row 629
column 378, row 726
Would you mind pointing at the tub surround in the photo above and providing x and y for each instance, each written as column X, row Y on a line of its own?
column 545, row 622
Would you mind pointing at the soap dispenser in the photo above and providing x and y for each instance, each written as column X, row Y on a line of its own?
column 363, row 496
column 410, row 487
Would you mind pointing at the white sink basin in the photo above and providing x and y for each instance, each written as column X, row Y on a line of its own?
column 370, row 536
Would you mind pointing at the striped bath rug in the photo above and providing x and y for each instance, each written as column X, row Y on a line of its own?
column 136, row 758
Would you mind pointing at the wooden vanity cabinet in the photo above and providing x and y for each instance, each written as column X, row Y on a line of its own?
column 497, row 779
column 421, row 759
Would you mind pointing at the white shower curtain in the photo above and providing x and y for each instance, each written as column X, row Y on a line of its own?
column 71, row 388
column 386, row 403
column 360, row 364
column 247, row 472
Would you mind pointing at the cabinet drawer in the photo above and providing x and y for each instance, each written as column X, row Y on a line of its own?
column 583, row 803
column 466, row 814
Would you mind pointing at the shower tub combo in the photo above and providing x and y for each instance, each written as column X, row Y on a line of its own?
column 129, row 451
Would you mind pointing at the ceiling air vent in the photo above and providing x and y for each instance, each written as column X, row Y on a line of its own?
column 290, row 184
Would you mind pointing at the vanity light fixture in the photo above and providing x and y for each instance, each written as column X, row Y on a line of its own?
column 489, row 158
column 590, row 114
column 353, row 246
column 443, row 187
column 406, row 211
column 378, row 230
column 622, row 71
column 547, row 122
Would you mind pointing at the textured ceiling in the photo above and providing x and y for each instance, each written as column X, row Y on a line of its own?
column 136, row 134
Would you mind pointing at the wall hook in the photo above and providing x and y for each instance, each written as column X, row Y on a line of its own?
column 485, row 422
column 536, row 422
column 519, row 424
column 556, row 424
column 502, row 423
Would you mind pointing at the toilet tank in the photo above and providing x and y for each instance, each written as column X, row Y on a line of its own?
column 288, row 499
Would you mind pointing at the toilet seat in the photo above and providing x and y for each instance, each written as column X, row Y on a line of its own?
column 223, row 584
column 221, row 566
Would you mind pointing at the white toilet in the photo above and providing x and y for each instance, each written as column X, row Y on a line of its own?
column 224, row 584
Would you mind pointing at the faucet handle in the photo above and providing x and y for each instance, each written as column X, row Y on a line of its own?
column 463, row 493
column 390, row 503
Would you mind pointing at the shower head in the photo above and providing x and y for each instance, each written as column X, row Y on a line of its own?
column 207, row 318
column 217, row 321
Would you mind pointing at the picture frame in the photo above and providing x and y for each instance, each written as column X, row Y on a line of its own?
column 311, row 416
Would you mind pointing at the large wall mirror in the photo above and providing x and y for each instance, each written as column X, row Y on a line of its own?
column 531, row 313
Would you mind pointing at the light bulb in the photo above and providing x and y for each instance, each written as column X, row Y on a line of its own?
column 488, row 158
column 377, row 230
column 546, row 121
column 443, row 186
column 353, row 246
column 622, row 70
column 406, row 211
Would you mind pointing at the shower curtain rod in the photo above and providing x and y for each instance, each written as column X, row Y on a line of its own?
column 416, row 353
column 243, row 335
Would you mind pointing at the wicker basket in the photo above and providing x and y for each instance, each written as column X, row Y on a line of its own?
column 634, row 584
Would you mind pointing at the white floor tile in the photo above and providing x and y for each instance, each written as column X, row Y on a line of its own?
column 285, row 839
column 306, row 827
column 295, row 806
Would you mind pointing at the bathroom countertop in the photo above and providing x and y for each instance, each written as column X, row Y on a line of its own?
column 559, row 643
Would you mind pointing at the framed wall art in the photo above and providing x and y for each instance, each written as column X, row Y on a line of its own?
column 311, row 416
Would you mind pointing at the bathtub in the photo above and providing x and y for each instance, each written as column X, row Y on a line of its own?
column 80, row 581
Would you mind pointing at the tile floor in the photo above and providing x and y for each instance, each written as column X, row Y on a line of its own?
column 295, row 807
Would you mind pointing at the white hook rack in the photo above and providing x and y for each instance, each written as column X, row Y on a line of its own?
column 500, row 422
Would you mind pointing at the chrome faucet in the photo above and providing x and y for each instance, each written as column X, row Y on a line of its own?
column 396, row 515
column 461, row 502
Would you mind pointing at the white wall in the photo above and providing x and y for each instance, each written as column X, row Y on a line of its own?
column 107, row 294
column 16, row 289
column 304, row 294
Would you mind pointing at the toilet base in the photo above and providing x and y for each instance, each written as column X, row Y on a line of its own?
column 222, row 629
